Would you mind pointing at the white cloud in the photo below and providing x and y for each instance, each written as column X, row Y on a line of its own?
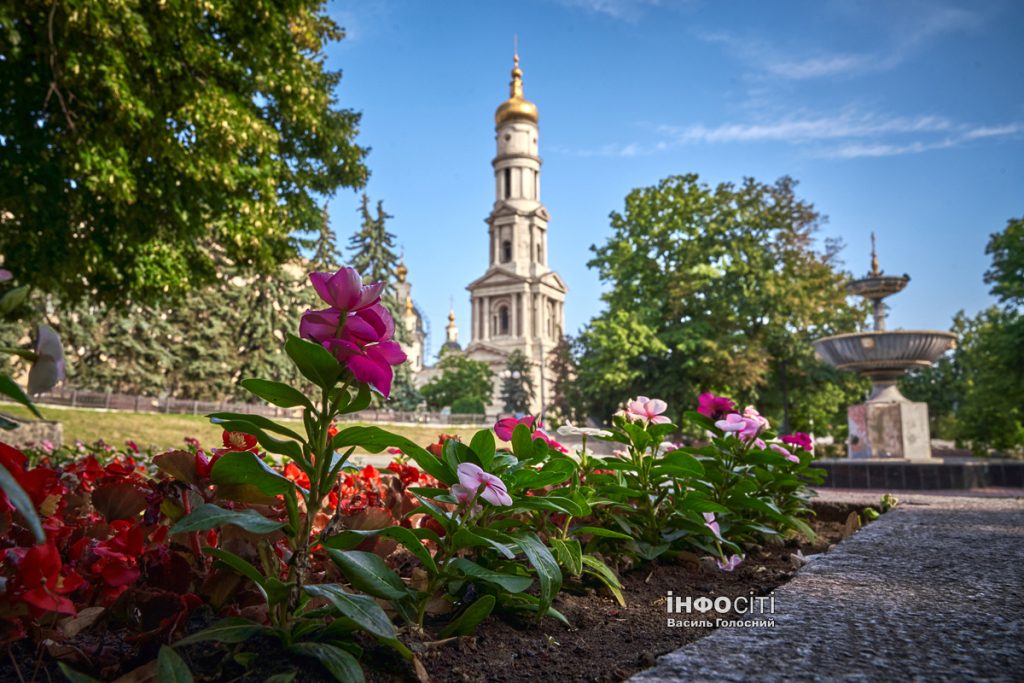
column 901, row 41
column 627, row 10
column 848, row 135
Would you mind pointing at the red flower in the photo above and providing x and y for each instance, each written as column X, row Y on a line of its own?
column 406, row 473
column 41, row 584
column 436, row 449
column 238, row 442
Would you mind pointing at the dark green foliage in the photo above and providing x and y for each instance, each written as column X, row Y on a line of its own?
column 461, row 378
column 717, row 289
column 143, row 142
column 517, row 384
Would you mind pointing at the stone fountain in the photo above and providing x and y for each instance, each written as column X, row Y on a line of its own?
column 887, row 425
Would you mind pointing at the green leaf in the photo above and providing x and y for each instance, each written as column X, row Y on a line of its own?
column 314, row 361
column 361, row 400
column 277, row 393
column 9, row 388
column 602, row 532
column 569, row 554
column 342, row 665
column 375, row 440
column 369, row 573
column 12, row 299
column 683, row 463
column 230, row 630
column 209, row 516
column 264, row 423
column 522, row 442
column 75, row 676
column 554, row 503
column 273, row 589
column 509, row 582
column 465, row 624
column 548, row 573
column 171, row 668
column 22, row 503
column 483, row 445
column 362, row 609
column 480, row 537
column 600, row 570
column 408, row 538
column 285, row 677
column 247, row 469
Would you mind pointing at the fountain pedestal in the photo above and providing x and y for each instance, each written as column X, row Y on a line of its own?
column 889, row 429
column 887, row 425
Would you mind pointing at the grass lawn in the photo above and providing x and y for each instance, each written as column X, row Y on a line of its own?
column 168, row 431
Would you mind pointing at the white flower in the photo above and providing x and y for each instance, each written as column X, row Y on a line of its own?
column 572, row 430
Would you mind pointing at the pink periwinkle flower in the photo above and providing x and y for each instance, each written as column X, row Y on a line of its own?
column 6, row 275
column 715, row 407
column 647, row 410
column 750, row 412
column 730, row 564
column 782, row 451
column 506, row 425
column 356, row 328
column 473, row 477
column 799, row 439
column 709, row 522
column 744, row 426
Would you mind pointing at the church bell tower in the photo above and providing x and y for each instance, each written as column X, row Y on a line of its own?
column 518, row 304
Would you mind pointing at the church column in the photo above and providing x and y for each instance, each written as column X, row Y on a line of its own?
column 487, row 317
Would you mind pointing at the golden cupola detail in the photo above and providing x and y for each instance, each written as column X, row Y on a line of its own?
column 516, row 106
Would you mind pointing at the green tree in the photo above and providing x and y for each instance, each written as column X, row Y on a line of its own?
column 714, row 289
column 461, row 378
column 142, row 142
column 372, row 253
column 567, row 403
column 517, row 384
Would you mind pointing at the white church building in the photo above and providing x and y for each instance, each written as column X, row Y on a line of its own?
column 518, row 304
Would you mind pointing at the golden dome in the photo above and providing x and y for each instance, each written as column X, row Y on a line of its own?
column 451, row 316
column 516, row 106
column 401, row 271
column 408, row 305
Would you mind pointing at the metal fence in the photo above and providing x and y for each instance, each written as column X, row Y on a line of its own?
column 95, row 400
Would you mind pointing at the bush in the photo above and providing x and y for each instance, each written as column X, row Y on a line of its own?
column 468, row 406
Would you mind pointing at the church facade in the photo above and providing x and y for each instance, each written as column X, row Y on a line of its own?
column 518, row 303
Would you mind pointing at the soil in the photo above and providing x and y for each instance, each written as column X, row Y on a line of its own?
column 606, row 642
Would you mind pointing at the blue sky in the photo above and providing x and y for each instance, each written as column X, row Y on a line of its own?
column 906, row 118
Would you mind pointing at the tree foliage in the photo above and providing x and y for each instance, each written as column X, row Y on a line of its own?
column 461, row 378
column 517, row 384
column 975, row 394
column 717, row 289
column 141, row 143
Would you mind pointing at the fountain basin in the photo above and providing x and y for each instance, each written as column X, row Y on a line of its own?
column 884, row 356
column 878, row 286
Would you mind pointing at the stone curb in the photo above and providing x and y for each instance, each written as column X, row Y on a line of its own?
column 932, row 591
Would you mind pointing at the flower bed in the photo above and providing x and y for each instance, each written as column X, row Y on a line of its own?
column 273, row 542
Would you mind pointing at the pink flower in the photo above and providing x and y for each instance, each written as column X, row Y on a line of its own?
column 356, row 328
column 709, row 522
column 730, row 564
column 472, row 477
column 733, row 422
column 505, row 426
column 648, row 410
column 715, row 407
column 782, row 451
column 751, row 414
column 799, row 439
column 344, row 290
column 5, row 275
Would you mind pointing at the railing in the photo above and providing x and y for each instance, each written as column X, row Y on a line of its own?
column 75, row 398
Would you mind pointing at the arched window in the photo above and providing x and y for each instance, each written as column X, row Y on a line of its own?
column 506, row 251
column 503, row 320
column 508, row 183
column 540, row 252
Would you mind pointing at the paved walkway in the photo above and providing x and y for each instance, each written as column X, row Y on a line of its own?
column 932, row 591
